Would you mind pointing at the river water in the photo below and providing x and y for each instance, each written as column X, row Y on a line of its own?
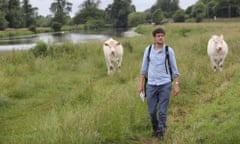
column 27, row 42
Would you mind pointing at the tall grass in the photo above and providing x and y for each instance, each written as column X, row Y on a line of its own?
column 65, row 95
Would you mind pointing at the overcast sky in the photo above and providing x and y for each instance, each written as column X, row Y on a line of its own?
column 141, row 5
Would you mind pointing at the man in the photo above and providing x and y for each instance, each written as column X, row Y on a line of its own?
column 158, row 87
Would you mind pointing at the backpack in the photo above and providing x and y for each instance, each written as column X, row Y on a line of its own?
column 167, row 61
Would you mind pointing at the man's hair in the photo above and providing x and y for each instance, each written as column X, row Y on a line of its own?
column 157, row 31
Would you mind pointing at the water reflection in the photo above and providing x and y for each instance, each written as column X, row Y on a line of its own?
column 60, row 37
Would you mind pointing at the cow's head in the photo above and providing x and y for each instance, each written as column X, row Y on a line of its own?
column 218, row 41
column 112, row 45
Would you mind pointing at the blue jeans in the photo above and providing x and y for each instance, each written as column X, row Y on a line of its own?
column 158, row 99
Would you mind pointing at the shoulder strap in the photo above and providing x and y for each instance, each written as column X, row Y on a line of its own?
column 168, row 61
column 148, row 58
column 149, row 50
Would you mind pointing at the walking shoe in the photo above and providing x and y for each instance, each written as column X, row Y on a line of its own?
column 154, row 133
column 160, row 135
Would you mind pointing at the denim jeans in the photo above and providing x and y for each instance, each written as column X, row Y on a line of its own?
column 158, row 100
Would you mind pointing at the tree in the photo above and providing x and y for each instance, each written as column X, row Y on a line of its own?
column 3, row 9
column 88, row 12
column 118, row 12
column 91, row 13
column 168, row 7
column 220, row 8
column 157, row 16
column 179, row 16
column 90, row 4
column 227, row 8
column 14, row 14
column 199, row 11
column 61, row 9
column 3, row 21
column 29, row 13
column 42, row 21
column 136, row 18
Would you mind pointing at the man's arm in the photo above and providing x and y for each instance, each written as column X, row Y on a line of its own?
column 176, row 86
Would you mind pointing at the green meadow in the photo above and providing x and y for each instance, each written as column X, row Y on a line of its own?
column 64, row 96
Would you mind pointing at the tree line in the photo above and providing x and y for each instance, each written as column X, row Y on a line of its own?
column 120, row 13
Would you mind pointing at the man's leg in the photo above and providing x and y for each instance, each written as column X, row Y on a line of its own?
column 152, row 101
column 164, row 95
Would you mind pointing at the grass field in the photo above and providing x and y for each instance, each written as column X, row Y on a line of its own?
column 66, row 96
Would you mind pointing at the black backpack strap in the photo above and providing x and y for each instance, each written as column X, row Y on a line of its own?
column 148, row 58
column 168, row 61
column 149, row 50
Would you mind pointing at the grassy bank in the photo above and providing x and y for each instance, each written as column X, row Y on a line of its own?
column 67, row 97
column 27, row 32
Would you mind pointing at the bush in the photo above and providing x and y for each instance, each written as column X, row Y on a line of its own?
column 40, row 49
column 179, row 16
column 199, row 18
column 136, row 18
column 56, row 26
column 32, row 28
column 93, row 24
column 157, row 16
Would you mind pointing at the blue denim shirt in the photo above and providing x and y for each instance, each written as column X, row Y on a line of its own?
column 156, row 67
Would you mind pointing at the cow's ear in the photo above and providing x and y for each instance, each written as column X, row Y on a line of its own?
column 118, row 43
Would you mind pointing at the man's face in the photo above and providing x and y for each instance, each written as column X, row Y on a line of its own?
column 159, row 38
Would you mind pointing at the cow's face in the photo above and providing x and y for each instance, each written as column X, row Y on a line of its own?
column 218, row 41
column 112, row 45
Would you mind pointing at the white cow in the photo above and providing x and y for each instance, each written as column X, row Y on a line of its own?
column 217, row 51
column 113, row 52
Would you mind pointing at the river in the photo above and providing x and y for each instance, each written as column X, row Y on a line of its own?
column 27, row 42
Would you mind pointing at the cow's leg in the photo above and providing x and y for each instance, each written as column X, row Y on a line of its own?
column 214, row 64
column 119, row 64
column 111, row 69
column 109, row 65
column 221, row 64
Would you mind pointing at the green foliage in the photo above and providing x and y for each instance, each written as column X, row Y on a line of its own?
column 157, row 16
column 94, row 24
column 29, row 13
column 136, row 18
column 183, row 32
column 198, row 11
column 88, row 14
column 143, row 29
column 15, row 33
column 3, row 21
column 60, row 9
column 14, row 15
column 168, row 7
column 43, row 21
column 89, row 11
column 88, row 4
column 179, row 16
column 33, row 28
column 118, row 13
column 40, row 49
column 128, row 46
column 56, row 26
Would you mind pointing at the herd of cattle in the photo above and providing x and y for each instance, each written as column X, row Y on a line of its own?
column 217, row 50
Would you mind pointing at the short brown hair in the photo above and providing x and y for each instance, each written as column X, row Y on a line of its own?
column 157, row 31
